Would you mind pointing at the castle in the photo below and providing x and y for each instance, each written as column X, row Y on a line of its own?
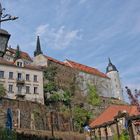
column 22, row 76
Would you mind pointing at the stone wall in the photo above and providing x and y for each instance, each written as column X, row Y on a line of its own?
column 65, row 77
column 26, row 114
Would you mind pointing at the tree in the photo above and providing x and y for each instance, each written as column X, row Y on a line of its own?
column 2, row 91
column 50, row 85
column 50, row 73
column 93, row 97
column 81, row 116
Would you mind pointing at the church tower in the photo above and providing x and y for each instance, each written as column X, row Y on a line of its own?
column 38, row 50
column 113, row 74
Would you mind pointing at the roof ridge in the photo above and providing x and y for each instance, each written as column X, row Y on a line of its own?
column 96, row 71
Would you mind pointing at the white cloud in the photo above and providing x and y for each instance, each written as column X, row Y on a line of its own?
column 82, row 1
column 58, row 38
column 41, row 29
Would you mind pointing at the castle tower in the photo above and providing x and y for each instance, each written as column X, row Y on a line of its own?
column 38, row 50
column 113, row 74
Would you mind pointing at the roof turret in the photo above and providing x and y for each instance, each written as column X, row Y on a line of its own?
column 110, row 67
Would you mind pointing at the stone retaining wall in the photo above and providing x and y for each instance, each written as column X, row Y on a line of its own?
column 26, row 114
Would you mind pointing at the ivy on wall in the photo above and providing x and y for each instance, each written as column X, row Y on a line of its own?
column 93, row 97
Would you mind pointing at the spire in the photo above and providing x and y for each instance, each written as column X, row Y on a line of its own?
column 109, row 60
column 38, row 47
column 110, row 66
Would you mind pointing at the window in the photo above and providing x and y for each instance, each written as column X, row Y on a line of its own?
column 1, row 74
column 19, row 89
column 27, row 89
column 10, row 75
column 19, row 76
column 35, row 90
column 19, row 64
column 27, row 77
column 10, row 88
column 35, row 78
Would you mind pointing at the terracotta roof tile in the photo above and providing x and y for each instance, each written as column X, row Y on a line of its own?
column 85, row 68
column 111, row 112
column 56, row 61
column 24, row 55
column 31, row 67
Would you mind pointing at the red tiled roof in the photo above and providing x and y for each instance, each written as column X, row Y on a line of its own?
column 85, row 68
column 23, row 55
column 55, row 61
column 31, row 67
column 111, row 112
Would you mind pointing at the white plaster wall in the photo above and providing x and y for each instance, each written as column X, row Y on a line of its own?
column 102, row 84
column 40, row 60
column 39, row 84
column 115, row 84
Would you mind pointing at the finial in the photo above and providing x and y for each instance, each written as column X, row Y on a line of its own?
column 109, row 60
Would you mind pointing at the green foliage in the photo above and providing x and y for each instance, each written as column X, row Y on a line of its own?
column 60, row 96
column 115, row 137
column 17, row 54
column 50, row 73
column 93, row 98
column 80, row 115
column 124, row 135
column 7, row 135
column 50, row 87
column 2, row 91
column 65, row 111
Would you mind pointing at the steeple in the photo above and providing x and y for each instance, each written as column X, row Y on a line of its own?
column 110, row 66
column 38, row 48
column 109, row 60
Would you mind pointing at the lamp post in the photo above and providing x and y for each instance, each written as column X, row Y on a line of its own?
column 4, row 35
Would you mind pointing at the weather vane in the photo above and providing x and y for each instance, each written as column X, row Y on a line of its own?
column 5, row 17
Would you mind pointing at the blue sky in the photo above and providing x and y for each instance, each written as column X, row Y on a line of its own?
column 86, row 31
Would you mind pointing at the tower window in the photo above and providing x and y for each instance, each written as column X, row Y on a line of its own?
column 27, row 77
column 10, row 75
column 10, row 89
column 19, row 64
column 1, row 74
column 19, row 76
column 27, row 89
column 19, row 89
column 35, row 90
column 35, row 78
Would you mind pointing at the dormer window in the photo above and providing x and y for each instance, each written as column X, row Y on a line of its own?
column 19, row 64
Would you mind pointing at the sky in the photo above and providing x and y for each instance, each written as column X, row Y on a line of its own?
column 85, row 31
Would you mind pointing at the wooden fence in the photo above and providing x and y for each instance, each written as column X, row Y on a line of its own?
column 129, row 128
